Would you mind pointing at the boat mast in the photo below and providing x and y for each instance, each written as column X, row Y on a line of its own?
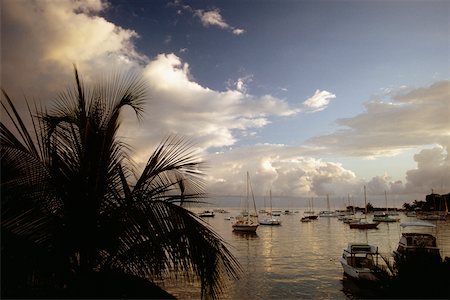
column 270, row 201
column 365, row 204
column 248, row 191
column 328, row 203
column 385, row 197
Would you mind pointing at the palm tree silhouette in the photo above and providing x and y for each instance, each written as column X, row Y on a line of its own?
column 71, row 208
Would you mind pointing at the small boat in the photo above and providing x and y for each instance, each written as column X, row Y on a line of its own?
column 206, row 214
column 305, row 219
column 247, row 223
column 363, row 224
column 270, row 219
column 310, row 212
column 276, row 213
column 412, row 243
column 411, row 214
column 384, row 218
column 328, row 213
column 359, row 261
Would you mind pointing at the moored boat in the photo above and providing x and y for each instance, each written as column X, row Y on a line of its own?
column 414, row 244
column 270, row 219
column 206, row 213
column 359, row 261
column 247, row 223
column 364, row 224
column 384, row 218
column 305, row 219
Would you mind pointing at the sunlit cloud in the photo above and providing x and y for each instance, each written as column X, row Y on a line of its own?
column 318, row 102
column 408, row 119
column 41, row 41
column 208, row 18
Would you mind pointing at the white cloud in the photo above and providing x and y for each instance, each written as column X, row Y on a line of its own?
column 432, row 172
column 211, row 18
column 41, row 41
column 288, row 170
column 319, row 101
column 238, row 31
column 215, row 119
column 407, row 120
column 208, row 18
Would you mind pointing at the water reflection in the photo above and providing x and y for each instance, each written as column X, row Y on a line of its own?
column 300, row 260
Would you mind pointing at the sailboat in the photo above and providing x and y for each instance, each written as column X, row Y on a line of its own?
column 247, row 223
column 328, row 213
column 363, row 224
column 385, row 216
column 270, row 219
column 310, row 212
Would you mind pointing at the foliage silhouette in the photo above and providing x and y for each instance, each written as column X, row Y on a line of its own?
column 71, row 210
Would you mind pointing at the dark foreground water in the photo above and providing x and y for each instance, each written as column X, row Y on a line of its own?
column 300, row 260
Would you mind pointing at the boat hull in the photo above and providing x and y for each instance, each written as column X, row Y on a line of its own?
column 270, row 222
column 363, row 225
column 365, row 274
column 245, row 228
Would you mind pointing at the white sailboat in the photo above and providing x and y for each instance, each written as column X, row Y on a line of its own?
column 328, row 213
column 247, row 222
column 363, row 224
column 385, row 217
column 270, row 219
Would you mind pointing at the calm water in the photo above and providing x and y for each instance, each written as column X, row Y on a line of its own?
column 300, row 260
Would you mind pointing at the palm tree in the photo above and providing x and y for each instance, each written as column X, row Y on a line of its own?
column 71, row 208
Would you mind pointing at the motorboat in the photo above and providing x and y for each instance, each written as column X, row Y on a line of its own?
column 414, row 244
column 359, row 261
column 247, row 223
column 206, row 213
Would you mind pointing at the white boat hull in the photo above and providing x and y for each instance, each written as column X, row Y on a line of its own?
column 357, row 273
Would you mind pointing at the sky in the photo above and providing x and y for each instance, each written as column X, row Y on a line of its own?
column 310, row 97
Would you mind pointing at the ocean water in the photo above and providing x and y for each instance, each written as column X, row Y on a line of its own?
column 301, row 260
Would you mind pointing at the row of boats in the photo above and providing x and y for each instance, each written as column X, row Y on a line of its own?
column 362, row 261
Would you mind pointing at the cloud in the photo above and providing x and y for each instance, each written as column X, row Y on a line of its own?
column 208, row 17
column 289, row 171
column 241, row 84
column 408, row 119
column 213, row 118
column 432, row 172
column 318, row 102
column 41, row 41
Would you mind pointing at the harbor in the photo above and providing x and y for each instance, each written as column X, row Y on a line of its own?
column 301, row 260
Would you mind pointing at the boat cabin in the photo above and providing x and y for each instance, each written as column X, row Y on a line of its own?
column 360, row 255
column 415, row 242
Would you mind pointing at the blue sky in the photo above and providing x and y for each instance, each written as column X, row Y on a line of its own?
column 311, row 97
